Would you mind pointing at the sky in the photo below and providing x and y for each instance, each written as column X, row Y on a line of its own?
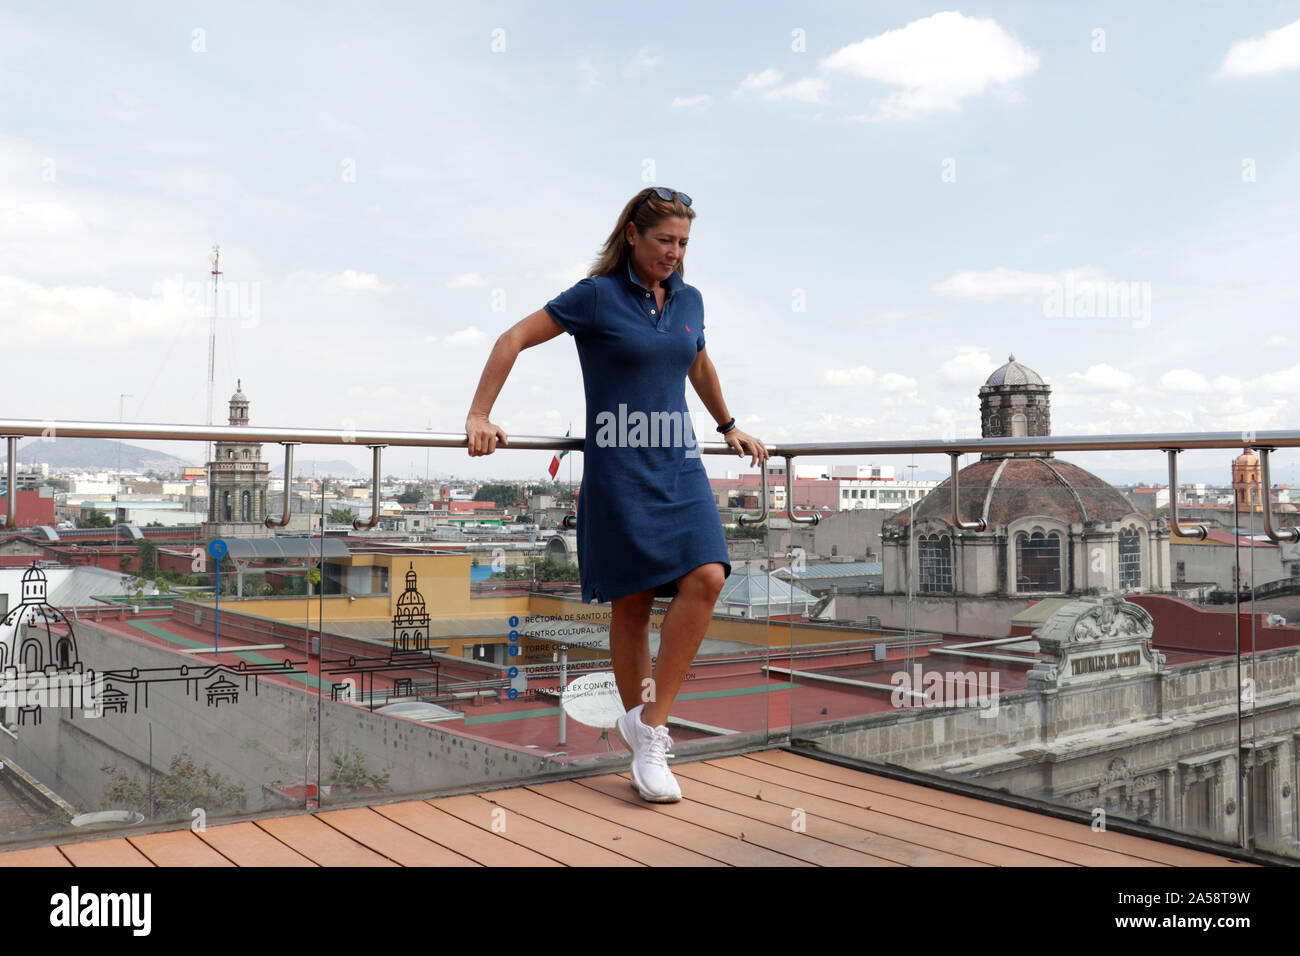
column 891, row 198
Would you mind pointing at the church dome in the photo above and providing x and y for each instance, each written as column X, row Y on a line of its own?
column 239, row 395
column 1013, row 373
column 1247, row 457
column 1003, row 490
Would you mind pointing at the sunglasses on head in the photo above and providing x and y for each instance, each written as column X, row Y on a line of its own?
column 665, row 194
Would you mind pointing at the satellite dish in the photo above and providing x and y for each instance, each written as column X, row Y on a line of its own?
column 593, row 699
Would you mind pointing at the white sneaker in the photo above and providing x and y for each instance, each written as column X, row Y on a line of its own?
column 649, row 745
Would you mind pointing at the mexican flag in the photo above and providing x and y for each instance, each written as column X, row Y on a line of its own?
column 555, row 461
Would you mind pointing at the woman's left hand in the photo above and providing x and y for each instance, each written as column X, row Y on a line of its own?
column 746, row 444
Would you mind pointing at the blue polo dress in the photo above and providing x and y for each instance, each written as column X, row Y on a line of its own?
column 646, row 513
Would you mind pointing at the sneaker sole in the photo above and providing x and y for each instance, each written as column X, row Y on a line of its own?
column 636, row 784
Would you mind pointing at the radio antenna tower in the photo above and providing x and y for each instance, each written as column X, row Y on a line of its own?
column 215, row 258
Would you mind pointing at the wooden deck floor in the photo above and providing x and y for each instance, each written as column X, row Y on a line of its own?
column 770, row 808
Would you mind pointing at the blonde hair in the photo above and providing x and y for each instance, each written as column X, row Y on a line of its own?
column 615, row 252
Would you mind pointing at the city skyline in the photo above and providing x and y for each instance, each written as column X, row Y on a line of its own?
column 873, row 229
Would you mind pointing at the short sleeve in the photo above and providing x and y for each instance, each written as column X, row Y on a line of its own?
column 699, row 339
column 575, row 307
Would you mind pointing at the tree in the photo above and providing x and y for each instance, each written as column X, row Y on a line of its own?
column 133, row 586
column 340, row 516
column 413, row 495
column 350, row 773
column 177, row 792
column 501, row 494
column 539, row 569
column 148, row 552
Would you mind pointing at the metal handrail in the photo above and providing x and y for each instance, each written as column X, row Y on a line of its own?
column 1170, row 442
column 812, row 517
column 978, row 524
column 759, row 518
column 334, row 436
column 357, row 523
column 283, row 520
column 1200, row 532
column 1285, row 534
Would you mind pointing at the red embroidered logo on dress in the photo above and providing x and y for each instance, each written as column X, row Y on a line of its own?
column 688, row 328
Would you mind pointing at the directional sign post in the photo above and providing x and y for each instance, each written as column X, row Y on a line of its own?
column 217, row 548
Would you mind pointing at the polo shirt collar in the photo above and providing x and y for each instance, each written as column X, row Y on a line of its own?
column 671, row 284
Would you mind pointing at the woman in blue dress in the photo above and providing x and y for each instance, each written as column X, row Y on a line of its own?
column 647, row 523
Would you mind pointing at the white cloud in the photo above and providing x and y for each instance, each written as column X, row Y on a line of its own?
column 967, row 368
column 1276, row 341
column 687, row 101
column 890, row 316
column 759, row 81
column 934, row 63
column 1183, row 380
column 48, row 218
column 589, row 75
column 893, row 382
column 1103, row 378
column 467, row 280
column 1273, row 52
column 350, row 282
column 862, row 375
column 992, row 285
column 469, row 336
column 1285, row 382
column 808, row 90
column 571, row 273
column 643, row 62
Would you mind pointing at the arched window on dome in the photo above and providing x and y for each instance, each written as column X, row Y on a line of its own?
column 1038, row 562
column 246, row 506
column 1018, row 425
column 995, row 425
column 225, row 507
column 1130, row 559
column 934, row 553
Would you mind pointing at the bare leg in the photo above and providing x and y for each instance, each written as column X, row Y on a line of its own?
column 629, row 645
column 680, row 635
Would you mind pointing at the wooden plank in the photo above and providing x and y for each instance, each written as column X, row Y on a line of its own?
column 906, row 842
column 565, row 847
column 247, row 845
column 615, row 838
column 1137, row 846
column 37, row 856
column 741, row 820
column 469, row 841
column 321, row 843
column 1019, row 836
column 654, row 821
column 177, row 848
column 394, row 841
column 113, row 852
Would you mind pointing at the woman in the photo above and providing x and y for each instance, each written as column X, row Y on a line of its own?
column 647, row 523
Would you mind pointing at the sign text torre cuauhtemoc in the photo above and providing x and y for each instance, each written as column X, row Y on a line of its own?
column 1094, row 639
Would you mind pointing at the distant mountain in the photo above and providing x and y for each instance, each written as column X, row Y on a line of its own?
column 95, row 454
